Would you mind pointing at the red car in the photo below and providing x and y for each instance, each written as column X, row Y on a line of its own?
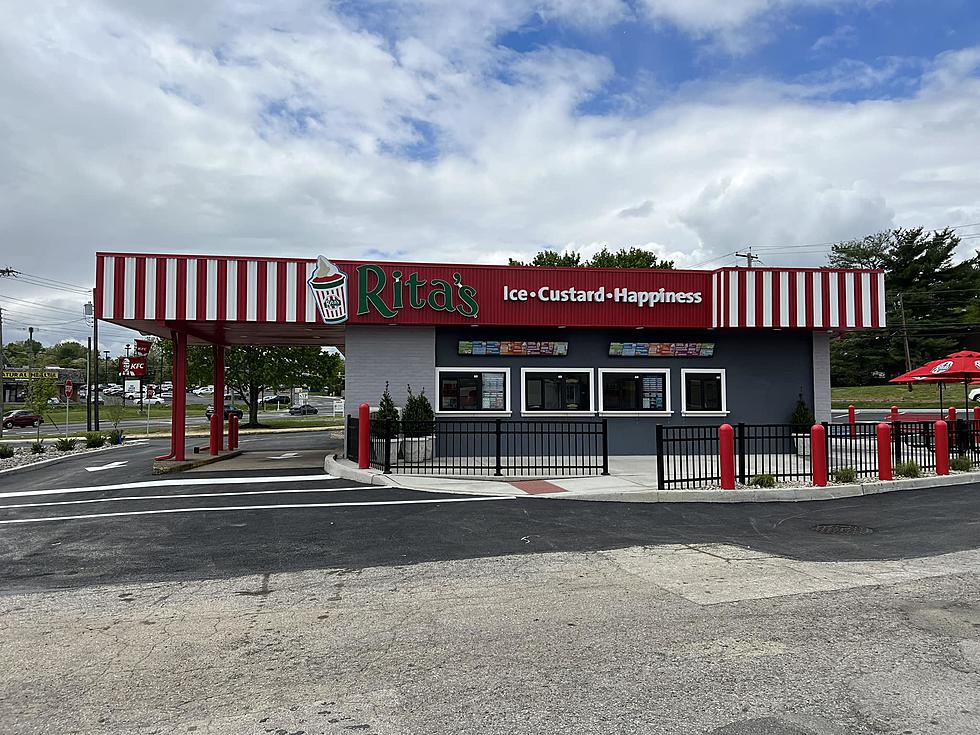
column 21, row 419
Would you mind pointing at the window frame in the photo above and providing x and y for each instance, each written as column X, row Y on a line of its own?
column 667, row 411
column 685, row 411
column 525, row 371
column 439, row 411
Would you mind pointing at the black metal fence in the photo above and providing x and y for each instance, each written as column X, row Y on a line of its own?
column 687, row 456
column 500, row 447
column 350, row 440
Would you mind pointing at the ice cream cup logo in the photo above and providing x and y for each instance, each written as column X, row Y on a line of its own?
column 328, row 286
column 942, row 367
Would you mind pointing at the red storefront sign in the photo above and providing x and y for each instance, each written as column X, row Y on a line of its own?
column 132, row 367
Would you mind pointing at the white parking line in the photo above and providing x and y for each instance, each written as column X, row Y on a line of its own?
column 170, row 483
column 190, row 495
column 249, row 507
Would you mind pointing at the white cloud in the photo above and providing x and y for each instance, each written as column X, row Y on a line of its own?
column 124, row 129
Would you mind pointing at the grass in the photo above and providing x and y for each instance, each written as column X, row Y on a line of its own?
column 884, row 396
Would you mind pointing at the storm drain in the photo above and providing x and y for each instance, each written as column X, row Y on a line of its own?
column 842, row 529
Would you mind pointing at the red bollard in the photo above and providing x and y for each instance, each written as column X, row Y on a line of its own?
column 233, row 432
column 942, row 448
column 818, row 449
column 363, row 436
column 894, row 413
column 217, row 427
column 726, row 450
column 852, row 419
column 976, row 413
column 884, row 451
column 951, row 413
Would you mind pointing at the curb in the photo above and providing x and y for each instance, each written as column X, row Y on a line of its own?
column 166, row 467
column 335, row 467
column 54, row 460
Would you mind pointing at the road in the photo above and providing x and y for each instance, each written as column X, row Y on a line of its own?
column 368, row 609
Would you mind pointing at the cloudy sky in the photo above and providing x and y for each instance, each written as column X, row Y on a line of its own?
column 466, row 130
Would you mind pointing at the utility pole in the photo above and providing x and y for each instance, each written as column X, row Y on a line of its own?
column 3, row 363
column 95, row 362
column 749, row 257
column 905, row 337
column 30, row 351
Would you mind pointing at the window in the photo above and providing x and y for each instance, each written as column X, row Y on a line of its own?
column 704, row 392
column 642, row 392
column 473, row 390
column 557, row 391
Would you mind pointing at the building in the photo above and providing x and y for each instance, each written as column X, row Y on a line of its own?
column 16, row 381
column 640, row 347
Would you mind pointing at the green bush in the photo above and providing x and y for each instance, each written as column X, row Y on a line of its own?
column 845, row 474
column 64, row 444
column 38, row 448
column 763, row 481
column 6, row 452
column 418, row 418
column 802, row 417
column 961, row 463
column 384, row 421
column 908, row 469
column 94, row 439
column 115, row 436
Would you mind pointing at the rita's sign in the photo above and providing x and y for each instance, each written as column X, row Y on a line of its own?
column 430, row 294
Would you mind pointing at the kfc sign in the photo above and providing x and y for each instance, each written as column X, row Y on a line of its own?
column 132, row 367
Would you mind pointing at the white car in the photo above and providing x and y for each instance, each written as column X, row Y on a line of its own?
column 54, row 401
column 156, row 401
column 204, row 390
column 975, row 395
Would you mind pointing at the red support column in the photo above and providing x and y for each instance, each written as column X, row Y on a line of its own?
column 894, row 413
column 363, row 436
column 951, row 413
column 818, row 448
column 726, row 450
column 218, row 419
column 179, row 410
column 884, row 433
column 852, row 419
column 942, row 448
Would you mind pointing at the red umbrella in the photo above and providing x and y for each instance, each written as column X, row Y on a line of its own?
column 960, row 367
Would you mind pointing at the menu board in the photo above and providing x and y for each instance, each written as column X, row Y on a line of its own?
column 652, row 392
column 509, row 348
column 661, row 349
column 493, row 392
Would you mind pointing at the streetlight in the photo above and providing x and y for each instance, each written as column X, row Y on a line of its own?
column 106, row 353
column 127, row 350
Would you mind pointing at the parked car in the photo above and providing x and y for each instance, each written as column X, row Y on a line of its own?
column 975, row 395
column 229, row 412
column 21, row 419
column 204, row 390
column 54, row 401
column 156, row 401
column 305, row 410
column 281, row 398
column 113, row 390
column 167, row 395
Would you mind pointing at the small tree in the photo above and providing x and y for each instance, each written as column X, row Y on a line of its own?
column 386, row 417
column 39, row 391
column 418, row 418
column 802, row 418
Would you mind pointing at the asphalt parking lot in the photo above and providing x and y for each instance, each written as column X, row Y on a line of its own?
column 279, row 599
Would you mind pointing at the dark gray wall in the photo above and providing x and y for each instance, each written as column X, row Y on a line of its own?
column 766, row 371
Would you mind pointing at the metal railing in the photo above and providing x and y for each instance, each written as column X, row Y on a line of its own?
column 854, row 446
column 687, row 456
column 500, row 447
column 350, row 438
column 915, row 441
column 780, row 450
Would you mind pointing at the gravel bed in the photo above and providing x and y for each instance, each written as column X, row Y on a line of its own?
column 22, row 455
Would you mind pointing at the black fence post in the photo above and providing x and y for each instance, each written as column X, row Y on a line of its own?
column 897, row 436
column 496, row 433
column 605, row 446
column 826, row 445
column 740, row 450
column 387, row 450
column 660, row 456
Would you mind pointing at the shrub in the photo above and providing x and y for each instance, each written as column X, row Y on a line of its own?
column 64, row 444
column 845, row 474
column 961, row 463
column 115, row 436
column 38, row 448
column 94, row 439
column 6, row 452
column 384, row 422
column 908, row 469
column 802, row 417
column 418, row 418
column 763, row 481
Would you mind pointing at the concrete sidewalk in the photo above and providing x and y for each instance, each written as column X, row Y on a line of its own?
column 631, row 483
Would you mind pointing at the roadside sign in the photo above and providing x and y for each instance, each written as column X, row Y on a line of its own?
column 149, row 391
column 69, row 388
column 132, row 367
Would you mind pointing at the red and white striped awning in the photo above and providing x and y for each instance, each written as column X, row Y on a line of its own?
column 774, row 298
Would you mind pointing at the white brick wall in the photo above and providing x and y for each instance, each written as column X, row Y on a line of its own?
column 821, row 376
column 400, row 355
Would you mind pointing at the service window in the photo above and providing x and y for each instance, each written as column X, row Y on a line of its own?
column 634, row 391
column 704, row 392
column 473, row 390
column 559, row 391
